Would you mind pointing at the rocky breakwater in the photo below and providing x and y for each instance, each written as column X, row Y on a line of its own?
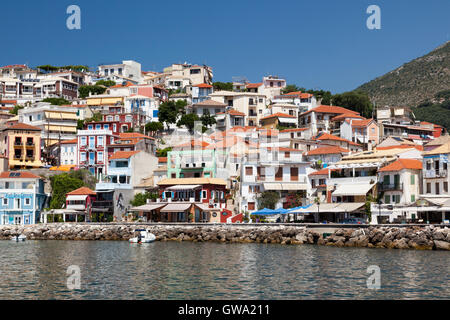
column 427, row 238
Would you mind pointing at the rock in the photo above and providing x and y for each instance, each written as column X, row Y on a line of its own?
column 400, row 244
column 442, row 245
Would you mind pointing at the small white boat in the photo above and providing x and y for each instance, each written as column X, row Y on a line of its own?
column 19, row 238
column 144, row 236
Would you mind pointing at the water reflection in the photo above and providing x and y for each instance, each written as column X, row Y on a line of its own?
column 173, row 270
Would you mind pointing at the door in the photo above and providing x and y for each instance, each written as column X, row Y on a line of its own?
column 396, row 180
column 18, row 220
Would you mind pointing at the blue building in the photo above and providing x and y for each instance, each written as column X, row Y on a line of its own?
column 22, row 197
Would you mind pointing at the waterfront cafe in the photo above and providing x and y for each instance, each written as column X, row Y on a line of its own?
column 430, row 209
column 331, row 212
column 175, row 212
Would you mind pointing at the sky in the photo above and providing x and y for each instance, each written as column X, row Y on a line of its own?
column 321, row 44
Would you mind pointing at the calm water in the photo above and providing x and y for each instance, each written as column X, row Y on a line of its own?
column 172, row 270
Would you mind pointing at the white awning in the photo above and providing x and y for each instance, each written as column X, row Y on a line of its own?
column 76, row 197
column 176, row 207
column 293, row 186
column 204, row 207
column 272, row 186
column 352, row 189
column 184, row 187
column 148, row 207
column 331, row 207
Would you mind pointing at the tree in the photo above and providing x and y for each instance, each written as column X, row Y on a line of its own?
column 154, row 126
column 56, row 101
column 354, row 100
column 163, row 152
column 106, row 83
column 85, row 90
column 188, row 120
column 16, row 109
column 141, row 198
column 207, row 120
column 63, row 183
column 223, row 86
column 268, row 199
column 169, row 111
column 292, row 88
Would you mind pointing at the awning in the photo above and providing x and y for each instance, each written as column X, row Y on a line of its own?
column 204, row 207
column 76, row 197
column 176, row 207
column 272, row 186
column 184, row 187
column 352, row 189
column 148, row 207
column 331, row 207
column 293, row 186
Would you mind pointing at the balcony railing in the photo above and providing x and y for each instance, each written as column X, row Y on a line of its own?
column 390, row 187
column 435, row 173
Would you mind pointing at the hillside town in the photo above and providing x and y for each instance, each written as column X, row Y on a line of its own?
column 172, row 146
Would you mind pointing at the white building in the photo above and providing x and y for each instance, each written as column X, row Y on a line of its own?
column 128, row 69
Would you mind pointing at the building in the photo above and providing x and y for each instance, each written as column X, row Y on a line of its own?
column 207, row 106
column 57, row 123
column 251, row 104
column 22, row 197
column 200, row 92
column 118, row 71
column 362, row 131
column 303, row 101
column 80, row 201
column 325, row 155
column 399, row 187
column 229, row 119
column 21, row 145
column 69, row 152
column 274, row 121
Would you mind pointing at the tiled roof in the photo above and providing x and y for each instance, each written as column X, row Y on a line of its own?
column 401, row 164
column 81, row 192
column 203, row 85
column 327, row 136
column 331, row 109
column 346, row 115
column 360, row 123
column 233, row 113
column 18, row 175
column 294, row 130
column 210, row 102
column 327, row 150
column 125, row 135
column 193, row 143
column 278, row 115
column 253, row 85
column 128, row 84
column 22, row 126
column 123, row 154
column 321, row 172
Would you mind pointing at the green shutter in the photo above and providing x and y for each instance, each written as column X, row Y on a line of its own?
column 413, row 198
column 386, row 198
column 386, row 179
column 413, row 179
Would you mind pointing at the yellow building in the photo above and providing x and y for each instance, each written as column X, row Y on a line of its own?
column 21, row 144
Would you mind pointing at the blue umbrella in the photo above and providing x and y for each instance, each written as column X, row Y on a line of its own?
column 281, row 210
column 264, row 211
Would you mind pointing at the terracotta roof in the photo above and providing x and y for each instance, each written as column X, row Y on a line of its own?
column 322, row 172
column 346, row 115
column 73, row 141
column 193, row 143
column 128, row 84
column 278, row 115
column 210, row 102
column 294, row 130
column 123, row 154
column 162, row 159
column 253, row 85
column 21, row 174
column 284, row 149
column 81, row 191
column 8, row 101
column 125, row 135
column 233, row 113
column 327, row 150
column 268, row 132
column 402, row 146
column 331, row 109
column 203, row 85
column 360, row 123
column 22, row 126
column 327, row 136
column 401, row 164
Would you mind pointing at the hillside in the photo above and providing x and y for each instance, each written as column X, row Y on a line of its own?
column 414, row 82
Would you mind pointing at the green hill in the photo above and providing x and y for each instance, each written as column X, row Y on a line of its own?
column 414, row 82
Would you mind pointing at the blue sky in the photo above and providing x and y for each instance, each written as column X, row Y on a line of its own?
column 314, row 44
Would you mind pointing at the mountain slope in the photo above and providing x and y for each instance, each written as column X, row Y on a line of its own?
column 414, row 82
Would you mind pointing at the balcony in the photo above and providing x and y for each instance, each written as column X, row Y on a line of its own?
column 435, row 174
column 390, row 187
column 18, row 156
column 30, row 144
column 112, row 186
column 18, row 144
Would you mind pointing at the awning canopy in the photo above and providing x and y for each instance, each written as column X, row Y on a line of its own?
column 184, row 187
column 148, row 207
column 176, row 207
column 76, row 197
column 352, row 189
column 284, row 186
column 331, row 207
column 264, row 211
column 204, row 207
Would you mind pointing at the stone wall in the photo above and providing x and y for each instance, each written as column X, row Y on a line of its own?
column 427, row 238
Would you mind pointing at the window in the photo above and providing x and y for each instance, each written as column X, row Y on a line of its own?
column 91, row 142
column 83, row 156
column 83, row 141
column 100, row 156
column 5, row 201
column 428, row 166
column 413, row 178
column 98, row 126
column 90, row 127
column 27, row 201
column 279, row 174
column 287, row 154
column 251, row 206
column 248, row 171
column 396, row 198
column 100, row 141
column 437, row 188
column 204, row 194
column 106, row 127
column 294, row 174
column 428, row 187
column 444, row 166
column 445, row 186
column 413, row 198
column 387, row 199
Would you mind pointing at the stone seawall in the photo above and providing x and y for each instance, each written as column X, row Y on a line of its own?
column 427, row 238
